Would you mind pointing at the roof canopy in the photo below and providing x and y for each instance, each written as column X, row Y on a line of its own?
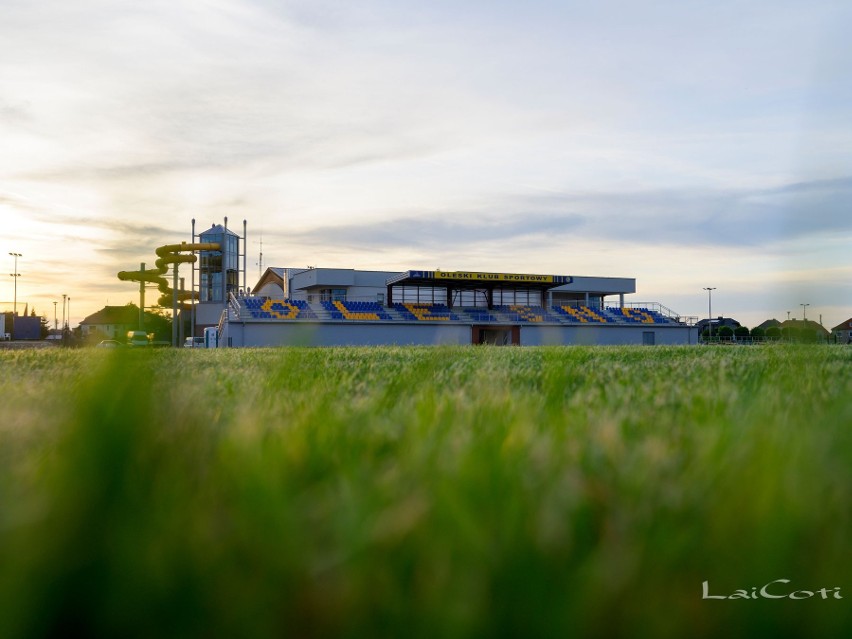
column 478, row 280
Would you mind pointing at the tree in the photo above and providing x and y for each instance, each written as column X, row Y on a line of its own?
column 758, row 333
column 741, row 331
column 160, row 324
column 725, row 332
column 773, row 332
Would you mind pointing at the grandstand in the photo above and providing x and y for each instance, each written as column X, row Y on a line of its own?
column 317, row 306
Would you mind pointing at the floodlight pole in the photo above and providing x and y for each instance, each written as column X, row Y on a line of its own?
column 142, row 297
column 192, row 285
column 16, row 275
column 174, row 304
column 804, row 312
column 224, row 248
column 710, row 290
column 182, row 307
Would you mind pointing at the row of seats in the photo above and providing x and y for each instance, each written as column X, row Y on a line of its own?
column 476, row 314
column 425, row 312
column 582, row 314
column 521, row 313
column 265, row 308
column 633, row 315
column 348, row 310
column 286, row 309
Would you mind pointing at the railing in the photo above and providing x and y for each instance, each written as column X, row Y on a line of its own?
column 752, row 339
column 234, row 304
column 665, row 311
column 223, row 319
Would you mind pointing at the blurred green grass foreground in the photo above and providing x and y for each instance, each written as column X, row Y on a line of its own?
column 426, row 492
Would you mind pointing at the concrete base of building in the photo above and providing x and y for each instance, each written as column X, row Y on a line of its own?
column 354, row 333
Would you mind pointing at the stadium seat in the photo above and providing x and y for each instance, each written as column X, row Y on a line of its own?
column 354, row 310
column 582, row 314
column 426, row 312
column 278, row 309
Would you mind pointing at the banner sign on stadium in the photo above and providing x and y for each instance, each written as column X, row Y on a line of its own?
column 493, row 277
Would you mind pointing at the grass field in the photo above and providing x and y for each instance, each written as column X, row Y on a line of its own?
column 426, row 492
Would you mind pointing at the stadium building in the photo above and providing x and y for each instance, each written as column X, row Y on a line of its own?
column 341, row 307
column 336, row 307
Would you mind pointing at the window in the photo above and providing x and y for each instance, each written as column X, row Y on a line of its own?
column 419, row 294
column 470, row 297
column 333, row 295
column 520, row 296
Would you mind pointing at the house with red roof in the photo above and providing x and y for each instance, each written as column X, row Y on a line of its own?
column 842, row 333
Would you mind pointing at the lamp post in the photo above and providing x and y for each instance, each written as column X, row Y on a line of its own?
column 710, row 290
column 54, row 317
column 16, row 275
column 804, row 312
column 64, row 297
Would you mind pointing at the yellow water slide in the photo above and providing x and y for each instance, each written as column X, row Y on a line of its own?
column 170, row 254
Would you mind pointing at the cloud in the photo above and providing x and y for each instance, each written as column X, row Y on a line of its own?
column 15, row 112
column 707, row 218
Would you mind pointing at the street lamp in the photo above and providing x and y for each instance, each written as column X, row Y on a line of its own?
column 64, row 296
column 55, row 326
column 804, row 312
column 710, row 290
column 16, row 275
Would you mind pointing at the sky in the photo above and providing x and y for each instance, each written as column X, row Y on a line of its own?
column 684, row 144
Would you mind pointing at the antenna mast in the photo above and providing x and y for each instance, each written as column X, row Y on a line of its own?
column 260, row 258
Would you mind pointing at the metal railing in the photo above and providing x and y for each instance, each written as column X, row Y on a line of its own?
column 234, row 304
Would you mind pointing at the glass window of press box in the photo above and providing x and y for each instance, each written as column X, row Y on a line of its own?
column 218, row 267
